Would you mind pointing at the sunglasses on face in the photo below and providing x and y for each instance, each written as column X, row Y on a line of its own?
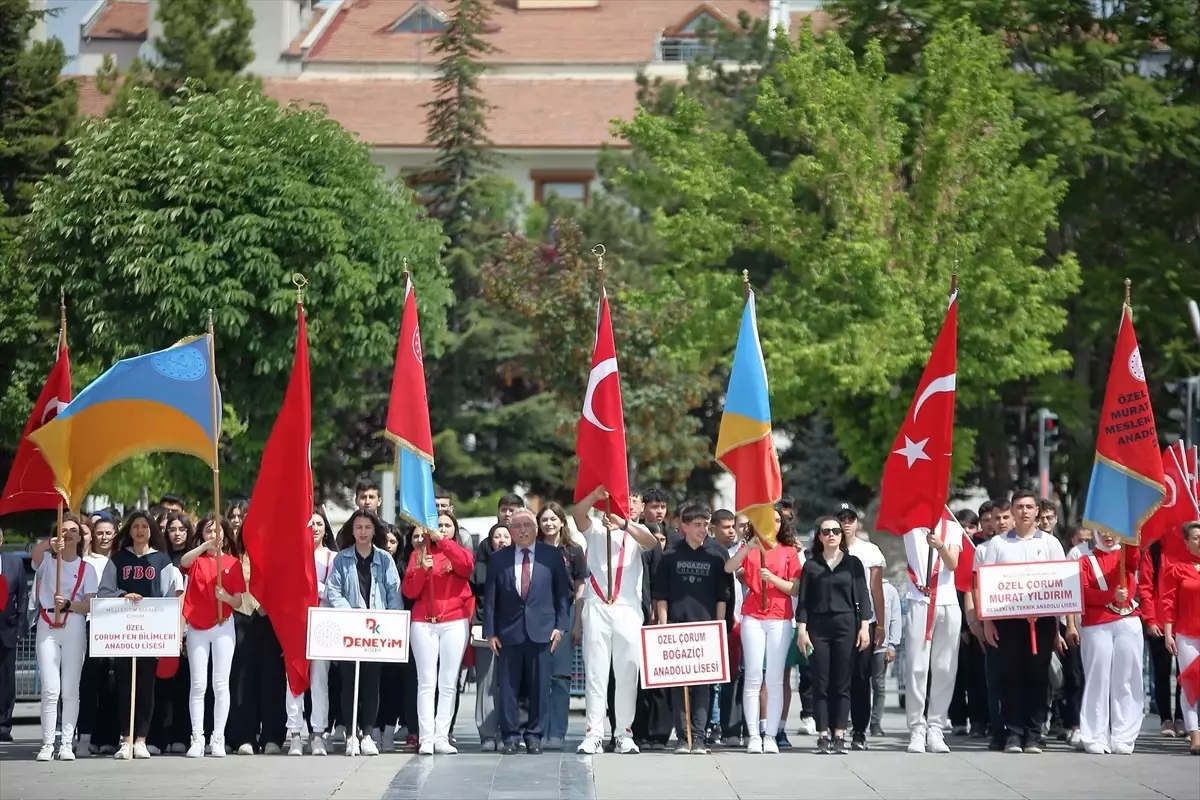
column 830, row 531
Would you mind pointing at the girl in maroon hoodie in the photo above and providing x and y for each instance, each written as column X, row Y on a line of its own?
column 437, row 582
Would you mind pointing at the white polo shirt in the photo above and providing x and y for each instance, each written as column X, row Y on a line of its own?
column 626, row 564
column 870, row 556
column 1012, row 549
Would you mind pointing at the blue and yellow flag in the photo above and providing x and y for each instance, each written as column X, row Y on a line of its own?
column 744, row 443
column 157, row 402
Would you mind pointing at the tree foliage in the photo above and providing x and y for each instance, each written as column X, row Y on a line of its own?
column 851, row 196
column 212, row 201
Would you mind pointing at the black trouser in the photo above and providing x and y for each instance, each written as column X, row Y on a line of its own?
column 172, row 722
column 1072, row 689
column 959, row 710
column 8, row 686
column 698, row 705
column 391, row 695
column 733, row 722
column 806, row 692
column 98, row 712
column 831, row 663
column 143, row 694
column 369, row 674
column 408, row 696
column 257, row 682
column 652, row 719
column 992, row 669
column 1025, row 674
column 1163, row 664
column 860, row 683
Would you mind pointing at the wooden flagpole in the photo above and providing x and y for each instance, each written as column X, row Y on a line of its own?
column 218, row 530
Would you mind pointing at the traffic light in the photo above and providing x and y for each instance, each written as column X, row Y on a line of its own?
column 1047, row 430
column 1187, row 413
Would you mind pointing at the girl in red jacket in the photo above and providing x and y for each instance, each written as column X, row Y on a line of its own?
column 1110, row 714
column 437, row 582
column 1180, row 589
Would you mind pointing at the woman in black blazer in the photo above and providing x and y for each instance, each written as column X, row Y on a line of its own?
column 832, row 614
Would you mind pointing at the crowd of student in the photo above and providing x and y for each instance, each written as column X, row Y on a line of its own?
column 821, row 617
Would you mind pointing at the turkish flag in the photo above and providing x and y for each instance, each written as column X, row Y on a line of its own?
column 30, row 484
column 277, row 533
column 916, row 477
column 964, row 573
column 1179, row 505
column 600, row 439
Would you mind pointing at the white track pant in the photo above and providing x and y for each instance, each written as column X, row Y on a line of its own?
column 764, row 640
column 217, row 642
column 933, row 664
column 60, row 654
column 318, row 684
column 1188, row 648
column 611, row 639
column 1111, row 711
column 438, row 648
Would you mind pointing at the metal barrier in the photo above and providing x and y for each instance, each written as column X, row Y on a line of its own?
column 29, row 686
column 577, row 676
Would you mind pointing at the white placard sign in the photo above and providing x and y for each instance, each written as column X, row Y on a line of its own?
column 148, row 628
column 1033, row 589
column 352, row 634
column 685, row 654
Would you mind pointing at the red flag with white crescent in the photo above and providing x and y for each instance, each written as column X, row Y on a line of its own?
column 1179, row 505
column 30, row 484
column 600, row 439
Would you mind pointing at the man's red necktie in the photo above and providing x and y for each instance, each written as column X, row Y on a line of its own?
column 525, row 573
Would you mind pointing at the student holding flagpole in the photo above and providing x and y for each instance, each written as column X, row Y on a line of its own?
column 1180, row 589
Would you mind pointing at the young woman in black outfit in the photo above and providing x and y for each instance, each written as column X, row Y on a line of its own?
column 832, row 615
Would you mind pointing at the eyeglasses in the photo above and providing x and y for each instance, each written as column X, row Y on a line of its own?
column 830, row 531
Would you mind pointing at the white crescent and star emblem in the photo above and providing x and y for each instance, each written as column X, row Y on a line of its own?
column 946, row 383
column 1135, row 365
column 52, row 408
column 913, row 451
column 416, row 346
column 1172, row 491
column 599, row 372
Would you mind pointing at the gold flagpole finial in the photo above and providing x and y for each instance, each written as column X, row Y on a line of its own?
column 300, row 282
column 598, row 251
column 1128, row 285
column 745, row 284
column 406, row 271
column 210, row 322
column 954, row 278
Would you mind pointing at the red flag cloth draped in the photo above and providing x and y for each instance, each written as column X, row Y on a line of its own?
column 408, row 411
column 277, row 533
column 30, row 484
column 600, row 439
column 964, row 573
column 1179, row 505
column 916, row 476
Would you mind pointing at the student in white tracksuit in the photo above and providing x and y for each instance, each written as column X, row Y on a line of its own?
column 62, row 645
column 931, row 650
column 610, row 627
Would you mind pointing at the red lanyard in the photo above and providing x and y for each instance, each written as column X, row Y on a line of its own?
column 929, row 589
column 74, row 593
column 620, row 573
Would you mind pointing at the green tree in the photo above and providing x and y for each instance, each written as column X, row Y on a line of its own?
column 1112, row 93
column 213, row 201
column 851, row 197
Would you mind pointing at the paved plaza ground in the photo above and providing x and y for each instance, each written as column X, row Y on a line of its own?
column 1160, row 769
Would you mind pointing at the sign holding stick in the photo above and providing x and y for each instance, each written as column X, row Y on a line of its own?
column 685, row 654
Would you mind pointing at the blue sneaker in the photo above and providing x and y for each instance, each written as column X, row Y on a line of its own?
column 782, row 740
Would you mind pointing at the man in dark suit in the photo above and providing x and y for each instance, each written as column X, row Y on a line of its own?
column 525, row 611
column 12, row 626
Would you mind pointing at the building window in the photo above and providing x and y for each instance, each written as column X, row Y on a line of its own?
column 693, row 38
column 420, row 19
column 680, row 49
column 564, row 185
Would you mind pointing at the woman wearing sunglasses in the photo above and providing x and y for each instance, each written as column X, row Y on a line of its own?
column 832, row 616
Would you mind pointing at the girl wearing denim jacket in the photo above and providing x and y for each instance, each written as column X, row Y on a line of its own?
column 363, row 575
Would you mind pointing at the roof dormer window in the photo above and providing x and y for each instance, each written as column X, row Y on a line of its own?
column 693, row 37
column 421, row 18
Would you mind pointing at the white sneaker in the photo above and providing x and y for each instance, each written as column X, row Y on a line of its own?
column 769, row 745
column 916, row 741
column 196, row 750
column 425, row 749
column 1075, row 739
column 1093, row 749
column 755, row 745
column 387, row 739
column 936, row 741
column 246, row 750
column 46, row 753
column 151, row 749
column 140, row 750
column 808, row 726
column 67, row 753
column 296, row 746
column 590, row 746
column 626, row 746
column 367, row 746
column 216, row 747
column 271, row 749
column 351, row 745
column 443, row 748
column 1122, row 749
column 123, row 752
column 317, row 748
